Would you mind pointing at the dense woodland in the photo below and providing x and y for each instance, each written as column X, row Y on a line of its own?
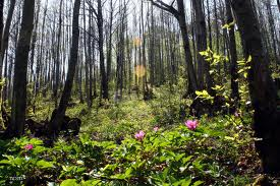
column 139, row 92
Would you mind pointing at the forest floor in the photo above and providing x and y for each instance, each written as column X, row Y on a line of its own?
column 220, row 151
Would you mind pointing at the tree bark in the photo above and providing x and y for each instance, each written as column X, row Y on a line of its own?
column 193, row 86
column 233, row 56
column 5, row 38
column 58, row 114
column 262, row 89
column 209, row 26
column 104, row 78
column 57, row 58
column 16, row 126
column 201, row 42
column 1, row 25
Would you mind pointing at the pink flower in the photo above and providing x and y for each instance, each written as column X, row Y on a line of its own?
column 28, row 147
column 191, row 124
column 156, row 129
column 140, row 135
column 236, row 114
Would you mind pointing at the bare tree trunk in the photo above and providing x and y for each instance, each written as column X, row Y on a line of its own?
column 201, row 42
column 57, row 56
column 87, row 56
column 209, row 26
column 80, row 77
column 40, row 57
column 15, row 128
column 90, row 62
column 58, row 114
column 6, row 34
column 272, row 30
column 233, row 57
column 34, row 40
column 1, row 25
column 109, row 53
column 216, row 26
column 104, row 78
column 193, row 86
column 266, row 125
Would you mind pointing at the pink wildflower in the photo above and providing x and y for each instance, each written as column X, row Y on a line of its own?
column 28, row 147
column 236, row 114
column 140, row 135
column 191, row 124
column 156, row 129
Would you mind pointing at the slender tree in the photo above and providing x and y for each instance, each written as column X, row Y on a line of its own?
column 233, row 56
column 20, row 71
column 5, row 38
column 181, row 17
column 278, row 4
column 59, row 113
column 1, row 24
column 201, row 42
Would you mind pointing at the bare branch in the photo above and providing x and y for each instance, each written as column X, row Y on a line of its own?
column 92, row 8
column 169, row 8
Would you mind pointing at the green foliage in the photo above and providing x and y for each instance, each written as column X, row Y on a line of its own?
column 169, row 107
column 16, row 161
column 215, row 61
column 107, row 153
column 229, row 26
column 176, row 156
column 204, row 95
column 244, row 66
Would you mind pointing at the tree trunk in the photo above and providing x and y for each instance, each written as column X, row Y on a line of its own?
column 40, row 57
column 16, row 126
column 109, row 52
column 58, row 114
column 201, row 42
column 33, row 42
column 1, row 25
column 89, row 40
column 262, row 89
column 272, row 30
column 193, row 86
column 104, row 78
column 233, row 57
column 216, row 26
column 5, row 39
column 57, row 58
column 209, row 26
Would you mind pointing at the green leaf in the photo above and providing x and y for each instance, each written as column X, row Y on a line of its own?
column 39, row 149
column 69, row 182
column 229, row 138
column 128, row 172
column 249, row 59
column 90, row 183
column 179, row 157
column 44, row 164
column 187, row 159
column 203, row 53
column 197, row 183
column 187, row 182
column 5, row 162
